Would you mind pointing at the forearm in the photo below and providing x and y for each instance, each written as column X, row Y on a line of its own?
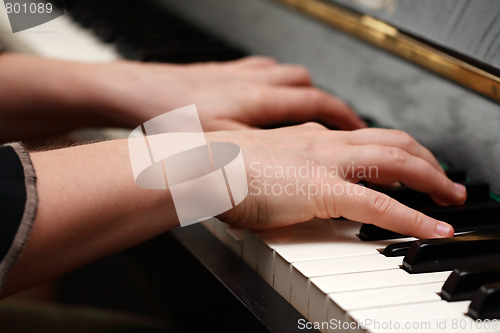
column 89, row 207
column 41, row 97
column 89, row 204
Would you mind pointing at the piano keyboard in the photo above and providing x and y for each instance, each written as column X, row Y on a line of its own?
column 108, row 30
column 336, row 280
column 321, row 267
column 61, row 38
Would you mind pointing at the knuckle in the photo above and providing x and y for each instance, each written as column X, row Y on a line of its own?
column 382, row 204
column 416, row 222
column 398, row 156
column 406, row 139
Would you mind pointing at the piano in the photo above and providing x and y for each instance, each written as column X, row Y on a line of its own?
column 331, row 275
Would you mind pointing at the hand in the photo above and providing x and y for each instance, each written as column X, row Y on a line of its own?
column 241, row 94
column 301, row 172
column 89, row 190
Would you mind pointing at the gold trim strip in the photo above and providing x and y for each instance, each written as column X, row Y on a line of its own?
column 389, row 38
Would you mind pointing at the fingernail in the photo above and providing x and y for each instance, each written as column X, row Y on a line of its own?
column 460, row 188
column 444, row 230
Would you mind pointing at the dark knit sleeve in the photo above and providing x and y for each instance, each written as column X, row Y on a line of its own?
column 18, row 204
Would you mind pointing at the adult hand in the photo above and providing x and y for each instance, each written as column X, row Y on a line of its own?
column 46, row 97
column 301, row 172
column 241, row 94
column 294, row 174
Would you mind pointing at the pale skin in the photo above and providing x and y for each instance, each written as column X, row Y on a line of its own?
column 90, row 206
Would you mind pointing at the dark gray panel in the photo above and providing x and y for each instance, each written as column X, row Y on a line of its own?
column 471, row 28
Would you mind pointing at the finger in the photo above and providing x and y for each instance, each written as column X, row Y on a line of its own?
column 393, row 138
column 301, row 105
column 283, row 75
column 391, row 164
column 368, row 206
column 253, row 61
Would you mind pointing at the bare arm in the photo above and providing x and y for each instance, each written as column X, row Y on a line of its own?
column 89, row 205
column 41, row 97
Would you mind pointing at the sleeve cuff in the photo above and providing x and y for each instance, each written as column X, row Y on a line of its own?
column 28, row 217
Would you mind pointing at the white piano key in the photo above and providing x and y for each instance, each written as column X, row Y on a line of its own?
column 317, row 248
column 255, row 243
column 265, row 266
column 322, row 286
column 307, row 245
column 260, row 255
column 323, row 239
column 339, row 304
column 282, row 276
column 422, row 317
column 302, row 271
column 321, row 244
column 60, row 38
column 381, row 297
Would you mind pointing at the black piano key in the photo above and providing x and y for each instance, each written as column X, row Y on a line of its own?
column 401, row 249
column 180, row 56
column 468, row 217
column 124, row 33
column 464, row 282
column 173, row 46
column 160, row 37
column 443, row 254
column 458, row 176
column 397, row 249
column 145, row 31
column 486, row 302
column 476, row 192
column 371, row 232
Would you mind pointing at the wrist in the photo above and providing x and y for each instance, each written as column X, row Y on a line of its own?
column 45, row 97
column 132, row 93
